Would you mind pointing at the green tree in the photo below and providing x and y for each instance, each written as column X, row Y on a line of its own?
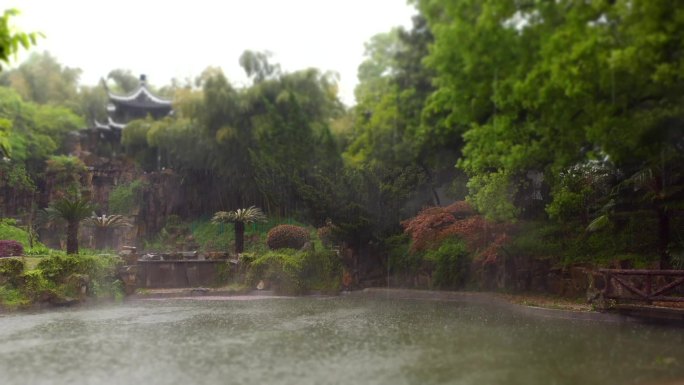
column 542, row 87
column 10, row 40
column 72, row 210
column 43, row 80
column 239, row 218
column 31, row 134
column 123, row 81
column 389, row 127
column 65, row 174
column 257, row 66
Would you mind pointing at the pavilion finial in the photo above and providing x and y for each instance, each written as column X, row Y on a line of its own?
column 143, row 79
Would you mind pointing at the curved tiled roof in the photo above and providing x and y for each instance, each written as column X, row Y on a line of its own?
column 102, row 126
column 109, row 125
column 114, row 124
column 141, row 97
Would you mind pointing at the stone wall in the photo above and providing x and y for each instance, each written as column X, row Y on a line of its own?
column 178, row 274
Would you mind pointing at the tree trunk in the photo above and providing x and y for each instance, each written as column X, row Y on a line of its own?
column 239, row 237
column 663, row 238
column 72, row 238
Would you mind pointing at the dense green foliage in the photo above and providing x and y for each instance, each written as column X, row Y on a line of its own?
column 35, row 136
column 451, row 264
column 10, row 271
column 125, row 198
column 572, row 106
column 57, row 279
column 296, row 272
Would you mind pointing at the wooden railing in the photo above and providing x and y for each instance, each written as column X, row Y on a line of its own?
column 642, row 285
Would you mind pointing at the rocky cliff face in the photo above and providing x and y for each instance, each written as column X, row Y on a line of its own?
column 161, row 198
column 161, row 193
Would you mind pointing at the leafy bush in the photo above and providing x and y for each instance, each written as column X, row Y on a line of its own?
column 59, row 267
column 10, row 249
column 125, row 198
column 66, row 173
column 536, row 240
column 281, row 268
column 10, row 271
column 98, row 271
column 295, row 272
column 581, row 189
column 401, row 259
column 39, row 249
column 12, row 298
column 425, row 227
column 59, row 276
column 35, row 284
column 329, row 234
column 287, row 237
column 321, row 270
column 15, row 176
column 433, row 225
column 452, row 264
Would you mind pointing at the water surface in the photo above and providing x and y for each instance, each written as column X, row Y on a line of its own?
column 343, row 340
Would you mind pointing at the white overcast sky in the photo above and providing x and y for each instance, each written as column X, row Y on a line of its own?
column 166, row 39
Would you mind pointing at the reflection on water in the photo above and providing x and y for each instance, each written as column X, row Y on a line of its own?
column 327, row 341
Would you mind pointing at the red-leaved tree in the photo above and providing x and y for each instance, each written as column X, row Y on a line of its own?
column 433, row 225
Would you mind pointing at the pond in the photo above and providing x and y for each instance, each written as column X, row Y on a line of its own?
column 340, row 340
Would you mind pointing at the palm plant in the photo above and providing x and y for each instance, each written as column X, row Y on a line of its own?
column 103, row 225
column 239, row 217
column 72, row 210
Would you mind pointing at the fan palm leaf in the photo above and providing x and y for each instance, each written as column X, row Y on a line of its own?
column 103, row 225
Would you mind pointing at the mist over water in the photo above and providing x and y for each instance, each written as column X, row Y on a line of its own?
column 354, row 340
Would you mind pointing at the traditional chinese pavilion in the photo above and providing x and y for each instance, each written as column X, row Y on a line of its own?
column 139, row 104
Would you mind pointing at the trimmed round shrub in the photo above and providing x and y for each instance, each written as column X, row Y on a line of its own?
column 11, row 249
column 287, row 237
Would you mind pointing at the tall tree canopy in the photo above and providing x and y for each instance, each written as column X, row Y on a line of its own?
column 540, row 87
column 12, row 40
column 42, row 79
